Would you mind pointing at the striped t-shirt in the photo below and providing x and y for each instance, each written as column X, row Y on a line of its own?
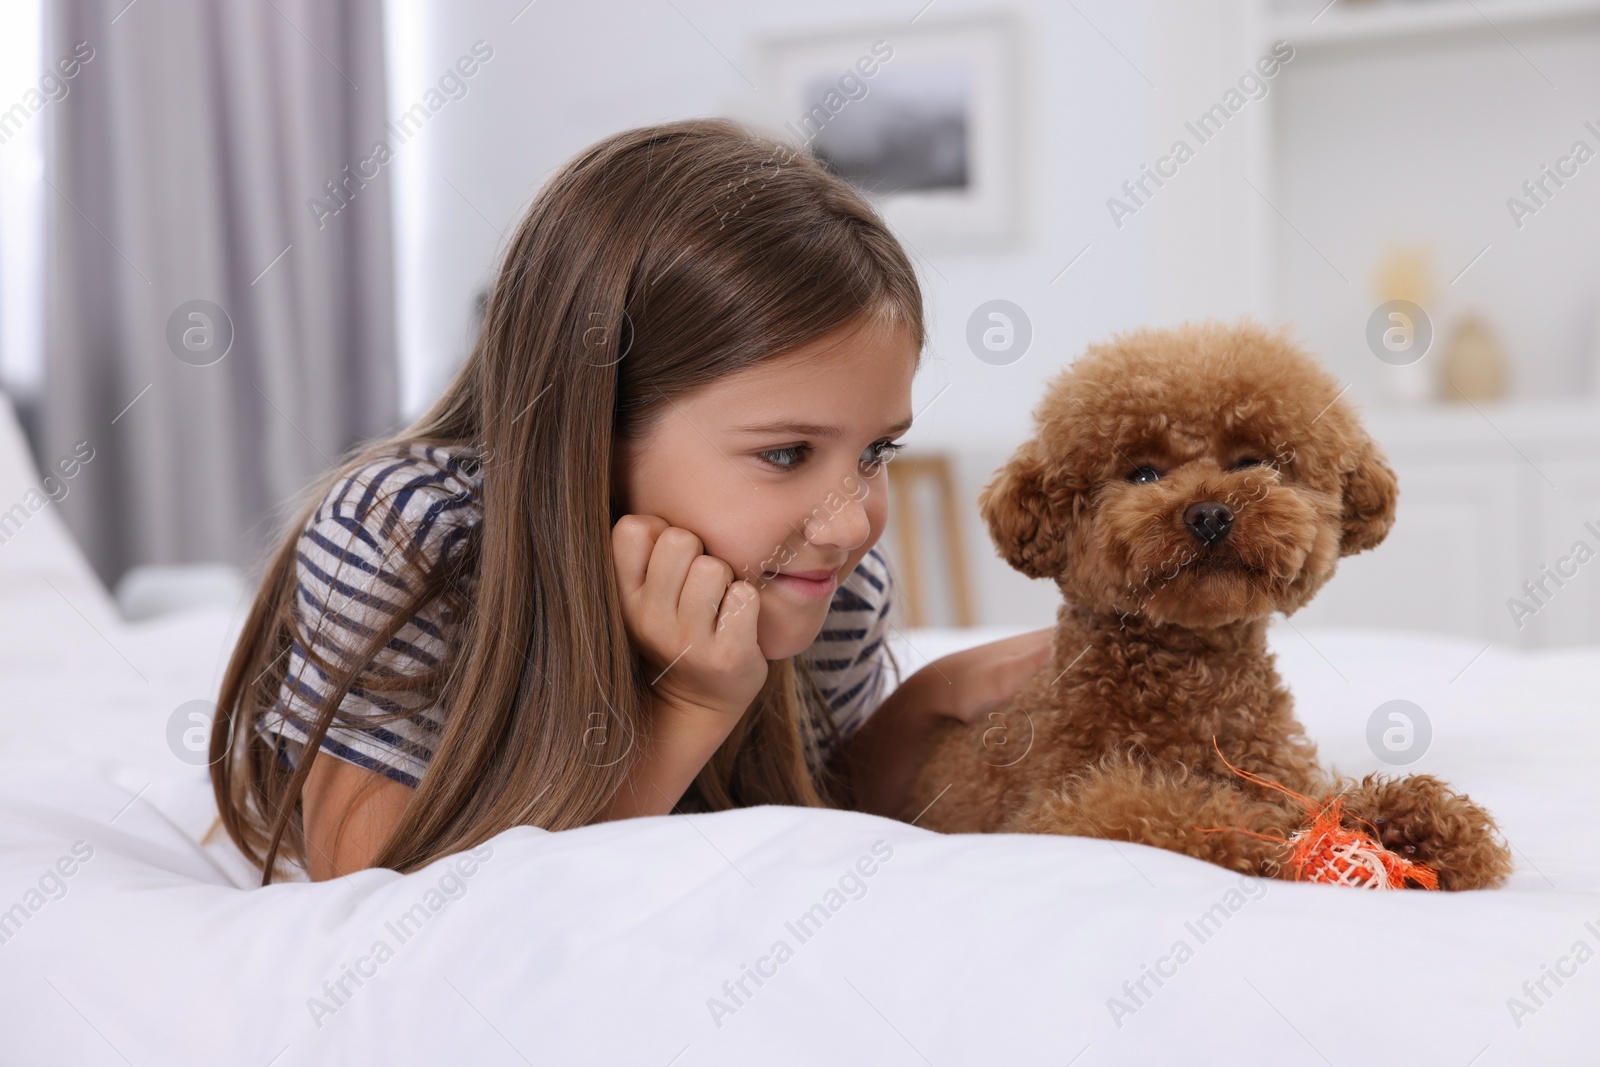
column 349, row 584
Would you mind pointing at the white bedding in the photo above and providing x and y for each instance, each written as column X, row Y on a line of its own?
column 612, row 944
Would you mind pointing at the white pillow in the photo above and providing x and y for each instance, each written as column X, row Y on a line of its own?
column 35, row 545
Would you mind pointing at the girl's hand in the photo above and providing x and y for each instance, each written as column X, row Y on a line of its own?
column 985, row 676
column 690, row 620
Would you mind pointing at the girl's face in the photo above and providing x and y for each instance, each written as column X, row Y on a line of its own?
column 778, row 470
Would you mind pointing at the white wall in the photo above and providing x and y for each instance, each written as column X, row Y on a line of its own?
column 1103, row 92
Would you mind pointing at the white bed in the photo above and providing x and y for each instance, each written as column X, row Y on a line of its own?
column 610, row 944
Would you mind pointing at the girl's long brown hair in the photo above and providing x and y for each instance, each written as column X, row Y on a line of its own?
column 656, row 261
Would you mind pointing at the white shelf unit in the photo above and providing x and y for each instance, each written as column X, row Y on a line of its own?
column 1320, row 25
column 1412, row 123
column 1491, row 498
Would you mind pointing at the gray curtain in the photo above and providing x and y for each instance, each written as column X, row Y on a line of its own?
column 213, row 156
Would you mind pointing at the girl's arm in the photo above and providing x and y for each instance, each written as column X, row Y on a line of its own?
column 686, row 612
column 883, row 757
column 674, row 599
column 681, row 747
column 369, row 804
column 348, row 813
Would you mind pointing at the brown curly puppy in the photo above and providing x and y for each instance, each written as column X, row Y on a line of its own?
column 1181, row 487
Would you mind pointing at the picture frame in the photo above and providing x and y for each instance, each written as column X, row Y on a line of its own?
column 922, row 118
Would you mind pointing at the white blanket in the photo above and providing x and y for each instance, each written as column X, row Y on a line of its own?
column 768, row 935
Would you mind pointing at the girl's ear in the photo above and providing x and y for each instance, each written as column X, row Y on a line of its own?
column 1371, row 492
column 1021, row 521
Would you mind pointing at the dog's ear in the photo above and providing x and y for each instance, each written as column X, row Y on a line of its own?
column 1021, row 519
column 1371, row 492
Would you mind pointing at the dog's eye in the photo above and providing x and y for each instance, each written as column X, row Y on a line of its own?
column 1145, row 474
column 1248, row 461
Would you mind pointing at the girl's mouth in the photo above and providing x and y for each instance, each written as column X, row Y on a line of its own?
column 809, row 584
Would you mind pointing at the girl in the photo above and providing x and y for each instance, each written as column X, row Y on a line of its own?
column 624, row 565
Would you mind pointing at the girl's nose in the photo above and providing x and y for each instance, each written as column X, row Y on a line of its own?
column 842, row 522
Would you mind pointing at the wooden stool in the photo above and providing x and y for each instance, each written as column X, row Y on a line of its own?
column 905, row 472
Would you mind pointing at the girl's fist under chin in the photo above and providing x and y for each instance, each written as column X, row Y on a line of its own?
column 692, row 622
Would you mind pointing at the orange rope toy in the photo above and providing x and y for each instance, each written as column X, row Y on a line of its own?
column 1325, row 851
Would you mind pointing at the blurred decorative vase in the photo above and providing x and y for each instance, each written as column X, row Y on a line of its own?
column 1473, row 366
column 1404, row 272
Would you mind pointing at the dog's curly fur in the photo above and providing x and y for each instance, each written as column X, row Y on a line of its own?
column 1160, row 645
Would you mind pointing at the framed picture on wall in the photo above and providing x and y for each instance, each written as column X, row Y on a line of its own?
column 923, row 118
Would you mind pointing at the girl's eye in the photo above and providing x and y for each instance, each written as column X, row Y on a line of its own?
column 785, row 458
column 791, row 456
column 1145, row 474
column 880, row 452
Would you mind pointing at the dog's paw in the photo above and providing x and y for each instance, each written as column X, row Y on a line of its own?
column 1404, row 839
column 1421, row 819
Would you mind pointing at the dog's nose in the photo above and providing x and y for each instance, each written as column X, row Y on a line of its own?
column 1209, row 520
